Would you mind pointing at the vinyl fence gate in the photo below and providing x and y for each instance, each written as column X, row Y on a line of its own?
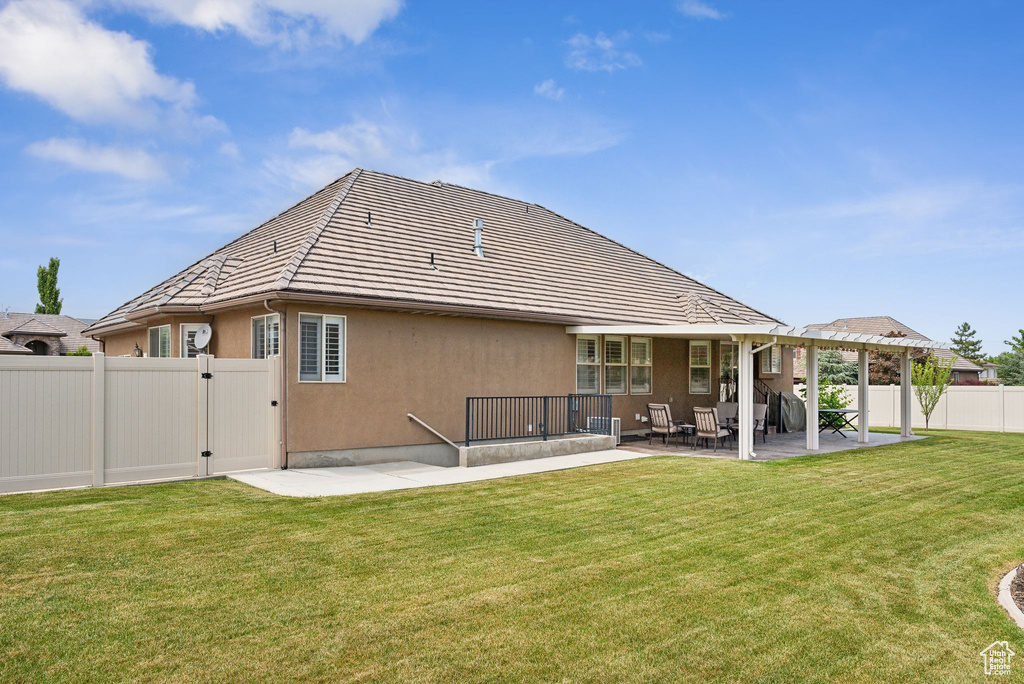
column 79, row 421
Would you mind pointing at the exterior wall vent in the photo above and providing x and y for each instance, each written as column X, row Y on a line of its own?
column 478, row 237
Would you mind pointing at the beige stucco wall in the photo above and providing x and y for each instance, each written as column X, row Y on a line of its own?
column 400, row 363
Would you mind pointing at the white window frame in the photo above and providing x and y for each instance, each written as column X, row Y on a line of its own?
column 597, row 362
column 771, row 360
column 325, row 319
column 706, row 344
column 624, row 364
column 149, row 341
column 648, row 364
column 266, row 318
column 183, row 331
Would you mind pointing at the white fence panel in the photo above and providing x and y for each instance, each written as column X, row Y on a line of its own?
column 150, row 419
column 45, row 422
column 962, row 407
column 80, row 421
column 240, row 415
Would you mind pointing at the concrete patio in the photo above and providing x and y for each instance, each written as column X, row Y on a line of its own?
column 786, row 445
column 341, row 481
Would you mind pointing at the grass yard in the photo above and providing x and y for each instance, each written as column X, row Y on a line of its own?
column 871, row 565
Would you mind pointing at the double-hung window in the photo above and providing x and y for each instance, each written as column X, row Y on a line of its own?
column 588, row 365
column 160, row 342
column 188, row 338
column 615, row 367
column 640, row 365
column 771, row 359
column 321, row 348
column 265, row 336
column 700, row 367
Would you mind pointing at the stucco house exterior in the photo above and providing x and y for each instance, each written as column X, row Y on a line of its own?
column 386, row 297
column 43, row 334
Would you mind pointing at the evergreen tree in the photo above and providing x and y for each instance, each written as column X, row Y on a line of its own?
column 965, row 345
column 1011, row 368
column 49, row 294
column 832, row 368
column 1016, row 343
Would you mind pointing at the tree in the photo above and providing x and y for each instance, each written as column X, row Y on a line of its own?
column 885, row 366
column 1016, row 343
column 1011, row 368
column 49, row 294
column 832, row 368
column 965, row 345
column 81, row 351
column 931, row 378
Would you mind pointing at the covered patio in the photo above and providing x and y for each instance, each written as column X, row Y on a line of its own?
column 777, row 447
column 754, row 338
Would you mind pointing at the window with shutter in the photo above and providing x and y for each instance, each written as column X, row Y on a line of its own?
column 309, row 347
column 266, row 336
column 588, row 365
column 614, row 365
column 640, row 365
column 700, row 367
column 321, row 347
column 188, row 338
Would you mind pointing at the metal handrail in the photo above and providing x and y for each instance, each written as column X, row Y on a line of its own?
column 412, row 417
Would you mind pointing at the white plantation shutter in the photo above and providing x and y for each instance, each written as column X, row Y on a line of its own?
column 588, row 364
column 259, row 338
column 273, row 335
column 640, row 365
column 615, row 365
column 334, row 349
column 188, row 339
column 309, row 347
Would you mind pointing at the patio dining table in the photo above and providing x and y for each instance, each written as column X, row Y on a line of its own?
column 837, row 419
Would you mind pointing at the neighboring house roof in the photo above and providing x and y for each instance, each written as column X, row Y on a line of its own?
column 8, row 347
column 880, row 325
column 368, row 238
column 34, row 326
column 66, row 329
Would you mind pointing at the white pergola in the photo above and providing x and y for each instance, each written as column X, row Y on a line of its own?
column 754, row 338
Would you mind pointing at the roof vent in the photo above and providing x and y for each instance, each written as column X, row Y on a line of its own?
column 478, row 237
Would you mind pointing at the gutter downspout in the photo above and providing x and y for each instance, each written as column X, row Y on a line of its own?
column 283, row 342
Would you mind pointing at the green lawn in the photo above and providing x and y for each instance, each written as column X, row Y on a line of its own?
column 860, row 566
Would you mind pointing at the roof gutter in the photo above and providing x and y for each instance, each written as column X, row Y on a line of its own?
column 283, row 343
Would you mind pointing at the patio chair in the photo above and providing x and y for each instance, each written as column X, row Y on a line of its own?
column 728, row 413
column 708, row 426
column 662, row 423
column 761, row 421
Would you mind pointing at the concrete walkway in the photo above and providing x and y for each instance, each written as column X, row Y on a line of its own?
column 407, row 475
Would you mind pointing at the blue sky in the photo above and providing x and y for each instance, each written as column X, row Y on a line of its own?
column 814, row 160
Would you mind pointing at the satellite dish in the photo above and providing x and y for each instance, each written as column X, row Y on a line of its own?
column 203, row 336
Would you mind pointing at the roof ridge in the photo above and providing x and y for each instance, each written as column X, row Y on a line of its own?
column 284, row 278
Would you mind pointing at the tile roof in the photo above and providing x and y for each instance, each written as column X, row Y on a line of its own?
column 34, row 326
column 67, row 329
column 8, row 347
column 370, row 235
column 879, row 325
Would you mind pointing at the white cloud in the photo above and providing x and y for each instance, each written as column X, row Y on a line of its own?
column 50, row 49
column 288, row 23
column 600, row 53
column 549, row 89
column 700, row 10
column 486, row 138
column 229, row 150
column 131, row 163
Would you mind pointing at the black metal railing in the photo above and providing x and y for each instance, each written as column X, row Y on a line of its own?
column 497, row 418
column 763, row 394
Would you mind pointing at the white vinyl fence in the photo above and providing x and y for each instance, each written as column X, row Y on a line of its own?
column 70, row 421
column 994, row 408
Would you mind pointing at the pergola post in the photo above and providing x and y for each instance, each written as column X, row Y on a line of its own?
column 745, row 397
column 812, row 397
column 862, row 396
column 906, row 396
